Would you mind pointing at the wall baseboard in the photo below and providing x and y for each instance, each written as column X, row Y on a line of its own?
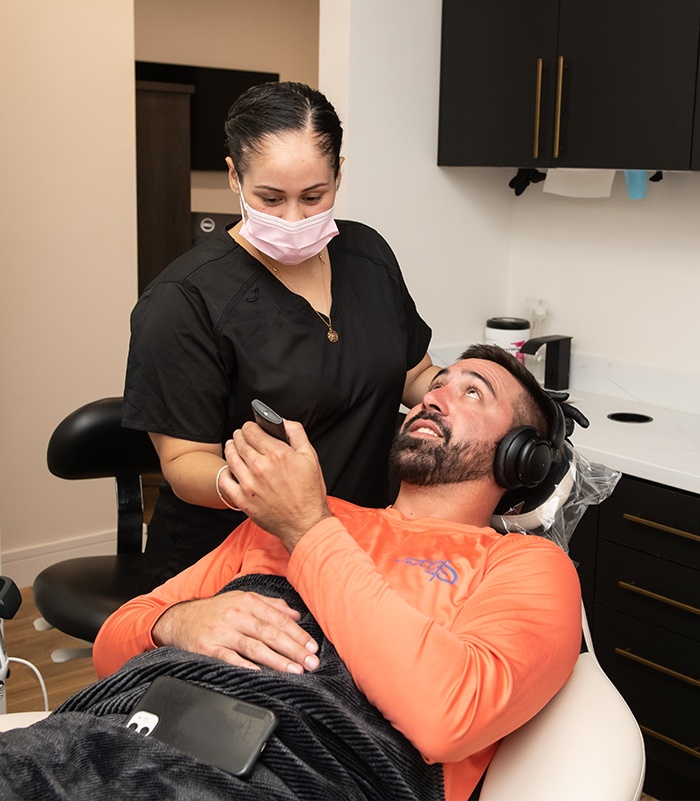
column 22, row 565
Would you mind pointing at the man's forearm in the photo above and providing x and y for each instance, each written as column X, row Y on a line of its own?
column 127, row 632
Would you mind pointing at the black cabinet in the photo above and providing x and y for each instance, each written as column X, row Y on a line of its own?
column 646, row 622
column 583, row 550
column 561, row 83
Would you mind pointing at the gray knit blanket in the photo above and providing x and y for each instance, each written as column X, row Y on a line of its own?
column 330, row 744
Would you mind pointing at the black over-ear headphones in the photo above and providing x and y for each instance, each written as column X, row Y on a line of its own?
column 524, row 458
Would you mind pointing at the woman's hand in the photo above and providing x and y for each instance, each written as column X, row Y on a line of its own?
column 241, row 628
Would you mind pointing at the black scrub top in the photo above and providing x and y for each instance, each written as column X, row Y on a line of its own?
column 216, row 329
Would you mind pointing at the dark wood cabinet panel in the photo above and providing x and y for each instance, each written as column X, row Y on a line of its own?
column 489, row 81
column 651, row 657
column 646, row 587
column 695, row 164
column 629, row 83
column 646, row 623
column 583, row 549
column 163, row 176
column 616, row 89
column 658, row 520
column 670, row 737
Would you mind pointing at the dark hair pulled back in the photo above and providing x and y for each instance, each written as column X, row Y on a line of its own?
column 271, row 108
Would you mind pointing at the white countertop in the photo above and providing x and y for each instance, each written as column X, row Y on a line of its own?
column 666, row 450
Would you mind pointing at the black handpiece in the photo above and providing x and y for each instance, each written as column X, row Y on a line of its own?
column 269, row 420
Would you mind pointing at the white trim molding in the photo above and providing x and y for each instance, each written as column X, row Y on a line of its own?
column 22, row 565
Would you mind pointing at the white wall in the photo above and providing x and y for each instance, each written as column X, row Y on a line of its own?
column 379, row 64
column 69, row 223
column 69, row 255
column 621, row 277
column 261, row 36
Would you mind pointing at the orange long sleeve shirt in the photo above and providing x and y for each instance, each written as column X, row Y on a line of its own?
column 457, row 634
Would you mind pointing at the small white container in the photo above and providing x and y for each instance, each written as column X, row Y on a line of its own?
column 510, row 333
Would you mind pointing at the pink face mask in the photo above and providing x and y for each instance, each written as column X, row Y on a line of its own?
column 287, row 242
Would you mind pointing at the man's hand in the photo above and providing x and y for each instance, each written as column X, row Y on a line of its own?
column 241, row 628
column 279, row 486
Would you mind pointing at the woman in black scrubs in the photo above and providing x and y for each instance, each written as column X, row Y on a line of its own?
column 309, row 314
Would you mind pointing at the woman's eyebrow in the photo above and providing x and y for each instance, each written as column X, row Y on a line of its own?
column 265, row 187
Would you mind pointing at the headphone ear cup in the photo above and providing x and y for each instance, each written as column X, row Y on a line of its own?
column 535, row 462
column 505, row 464
column 523, row 459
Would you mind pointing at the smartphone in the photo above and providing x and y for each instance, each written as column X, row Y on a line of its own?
column 218, row 729
column 269, row 420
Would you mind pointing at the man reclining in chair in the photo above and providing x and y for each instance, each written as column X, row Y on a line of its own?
column 396, row 646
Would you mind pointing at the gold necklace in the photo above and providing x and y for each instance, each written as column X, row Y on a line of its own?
column 331, row 334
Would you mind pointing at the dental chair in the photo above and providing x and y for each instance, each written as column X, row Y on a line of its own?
column 585, row 745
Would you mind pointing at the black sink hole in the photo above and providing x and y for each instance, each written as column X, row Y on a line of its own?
column 629, row 417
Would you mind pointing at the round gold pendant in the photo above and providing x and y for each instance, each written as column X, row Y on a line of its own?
column 332, row 335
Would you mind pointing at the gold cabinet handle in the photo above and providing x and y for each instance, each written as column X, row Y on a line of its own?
column 626, row 585
column 661, row 527
column 538, row 109
column 669, row 741
column 627, row 654
column 557, row 118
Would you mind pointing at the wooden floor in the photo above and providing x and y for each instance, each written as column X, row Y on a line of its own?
column 24, row 642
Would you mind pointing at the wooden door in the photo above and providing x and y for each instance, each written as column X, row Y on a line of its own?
column 163, row 176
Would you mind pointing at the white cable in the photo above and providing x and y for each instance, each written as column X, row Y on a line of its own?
column 38, row 675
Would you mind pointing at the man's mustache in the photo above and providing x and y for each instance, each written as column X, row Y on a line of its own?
column 433, row 417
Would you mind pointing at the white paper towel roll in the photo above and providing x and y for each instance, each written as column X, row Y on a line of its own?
column 579, row 182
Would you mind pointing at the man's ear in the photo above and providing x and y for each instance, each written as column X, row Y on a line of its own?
column 232, row 176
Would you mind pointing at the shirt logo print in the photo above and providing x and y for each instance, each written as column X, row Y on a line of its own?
column 439, row 569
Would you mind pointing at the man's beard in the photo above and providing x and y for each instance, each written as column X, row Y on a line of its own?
column 423, row 462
